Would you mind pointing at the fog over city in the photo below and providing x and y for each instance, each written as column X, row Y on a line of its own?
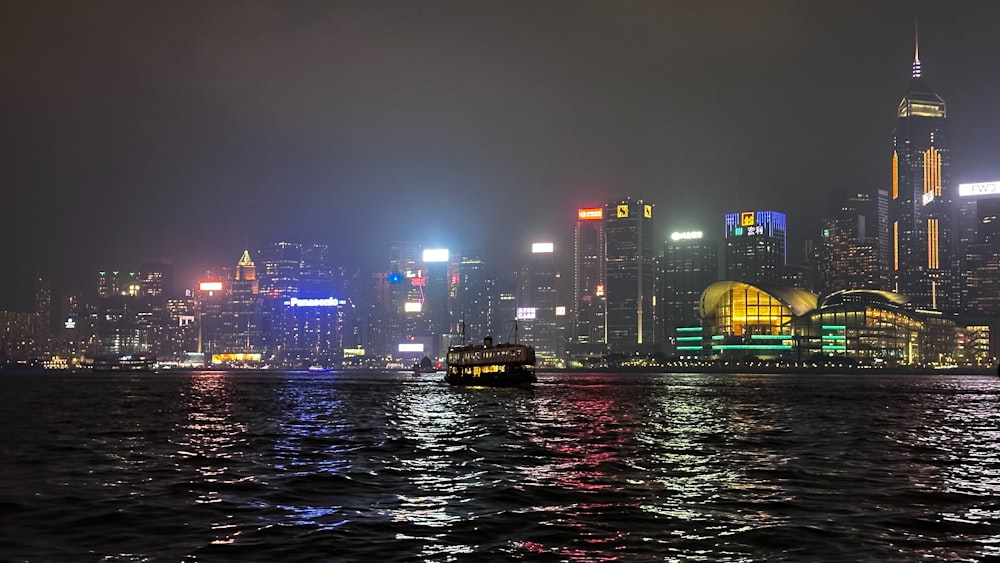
column 190, row 131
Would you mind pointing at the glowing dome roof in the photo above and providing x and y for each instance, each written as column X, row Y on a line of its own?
column 798, row 301
column 875, row 296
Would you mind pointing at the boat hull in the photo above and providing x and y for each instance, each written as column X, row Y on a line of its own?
column 514, row 376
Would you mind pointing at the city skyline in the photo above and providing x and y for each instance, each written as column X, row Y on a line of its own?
column 187, row 133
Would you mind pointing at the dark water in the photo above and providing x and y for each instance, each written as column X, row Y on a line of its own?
column 582, row 467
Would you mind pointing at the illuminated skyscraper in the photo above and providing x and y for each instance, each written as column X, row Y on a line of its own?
column 690, row 264
column 588, row 278
column 475, row 304
column 538, row 310
column 755, row 246
column 920, row 208
column 982, row 262
column 630, row 267
column 849, row 252
column 281, row 269
column 240, row 322
column 435, row 295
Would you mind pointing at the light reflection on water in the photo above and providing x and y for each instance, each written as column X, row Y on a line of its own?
column 588, row 467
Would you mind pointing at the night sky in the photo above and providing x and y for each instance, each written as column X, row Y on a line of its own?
column 189, row 130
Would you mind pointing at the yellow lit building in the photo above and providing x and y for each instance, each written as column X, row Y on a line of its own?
column 771, row 322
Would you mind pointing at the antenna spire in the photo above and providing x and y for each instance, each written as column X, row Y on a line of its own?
column 916, row 49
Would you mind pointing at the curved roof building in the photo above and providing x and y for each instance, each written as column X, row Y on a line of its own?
column 770, row 321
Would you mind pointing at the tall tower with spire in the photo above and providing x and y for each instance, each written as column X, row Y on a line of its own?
column 920, row 206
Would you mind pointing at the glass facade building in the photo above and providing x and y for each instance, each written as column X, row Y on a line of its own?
column 756, row 247
column 630, row 267
column 921, row 201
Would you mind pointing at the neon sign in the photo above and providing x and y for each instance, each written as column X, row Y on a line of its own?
column 687, row 235
column 325, row 302
column 590, row 213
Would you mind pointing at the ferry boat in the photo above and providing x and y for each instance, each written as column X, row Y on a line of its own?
column 122, row 363
column 503, row 365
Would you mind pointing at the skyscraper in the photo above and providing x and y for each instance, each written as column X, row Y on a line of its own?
column 588, row 278
column 240, row 317
column 923, row 265
column 848, row 254
column 755, row 246
column 982, row 264
column 475, row 304
column 538, row 304
column 690, row 264
column 630, row 267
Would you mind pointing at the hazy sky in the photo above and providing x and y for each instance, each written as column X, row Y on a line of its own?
column 189, row 130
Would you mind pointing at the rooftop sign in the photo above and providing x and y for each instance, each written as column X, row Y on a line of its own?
column 687, row 235
column 435, row 255
column 980, row 188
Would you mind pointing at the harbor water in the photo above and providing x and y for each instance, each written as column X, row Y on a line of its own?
column 392, row 466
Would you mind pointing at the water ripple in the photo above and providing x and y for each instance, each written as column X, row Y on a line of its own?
column 581, row 467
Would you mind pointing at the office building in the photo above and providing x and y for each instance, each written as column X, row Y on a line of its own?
column 589, row 296
column 240, row 322
column 849, row 254
column 475, row 301
column 541, row 318
column 630, row 270
column 755, row 246
column 920, row 208
column 690, row 264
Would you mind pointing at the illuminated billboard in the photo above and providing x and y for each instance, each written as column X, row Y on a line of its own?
column 354, row 352
column 542, row 248
column 325, row 302
column 411, row 347
column 413, row 306
column 590, row 213
column 687, row 235
column 233, row 358
column 418, row 281
column 210, row 286
column 435, row 255
column 560, row 311
column 980, row 188
column 395, row 277
column 525, row 313
column 755, row 223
